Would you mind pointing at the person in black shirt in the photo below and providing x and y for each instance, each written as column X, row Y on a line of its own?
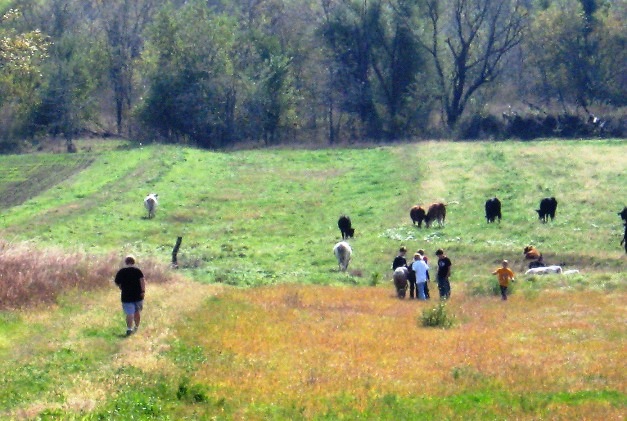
column 400, row 259
column 130, row 280
column 444, row 272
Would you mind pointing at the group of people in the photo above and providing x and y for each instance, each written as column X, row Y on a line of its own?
column 418, row 274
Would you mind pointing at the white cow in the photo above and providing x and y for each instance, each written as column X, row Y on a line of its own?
column 151, row 203
column 544, row 270
column 343, row 253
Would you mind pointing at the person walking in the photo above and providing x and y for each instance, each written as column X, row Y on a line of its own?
column 130, row 280
column 421, row 268
column 505, row 275
column 444, row 273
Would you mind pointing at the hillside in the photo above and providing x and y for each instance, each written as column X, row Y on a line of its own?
column 259, row 217
column 304, row 341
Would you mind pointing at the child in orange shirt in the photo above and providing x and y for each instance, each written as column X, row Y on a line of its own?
column 505, row 274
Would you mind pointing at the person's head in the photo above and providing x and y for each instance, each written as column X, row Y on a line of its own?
column 505, row 263
column 402, row 250
column 417, row 257
column 421, row 252
column 129, row 260
column 439, row 253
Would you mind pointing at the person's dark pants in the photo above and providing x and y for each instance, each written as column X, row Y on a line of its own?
column 427, row 290
column 411, row 279
column 503, row 292
column 444, row 287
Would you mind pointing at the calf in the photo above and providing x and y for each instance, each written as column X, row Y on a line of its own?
column 345, row 226
column 400, row 277
column 493, row 210
column 548, row 205
column 436, row 212
column 151, row 203
column 417, row 215
column 531, row 253
column 343, row 253
column 544, row 270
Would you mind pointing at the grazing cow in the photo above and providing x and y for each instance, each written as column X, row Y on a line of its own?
column 623, row 214
column 532, row 253
column 417, row 215
column 436, row 212
column 548, row 205
column 151, row 203
column 343, row 253
column 344, row 224
column 493, row 209
column 544, row 270
column 400, row 277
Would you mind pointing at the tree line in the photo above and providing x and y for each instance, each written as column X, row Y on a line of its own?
column 216, row 73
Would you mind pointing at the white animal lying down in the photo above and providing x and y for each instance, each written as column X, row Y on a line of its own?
column 343, row 252
column 550, row 269
column 544, row 270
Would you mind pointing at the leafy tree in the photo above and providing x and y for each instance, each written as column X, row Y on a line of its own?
column 583, row 53
column 72, row 72
column 124, row 22
column 21, row 57
column 192, row 82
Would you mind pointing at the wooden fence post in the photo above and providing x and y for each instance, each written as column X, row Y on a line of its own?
column 175, row 251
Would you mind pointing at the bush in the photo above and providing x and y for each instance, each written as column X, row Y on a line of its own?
column 438, row 316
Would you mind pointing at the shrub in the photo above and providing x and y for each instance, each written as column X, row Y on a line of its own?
column 438, row 316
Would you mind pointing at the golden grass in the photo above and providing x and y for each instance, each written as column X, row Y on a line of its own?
column 301, row 344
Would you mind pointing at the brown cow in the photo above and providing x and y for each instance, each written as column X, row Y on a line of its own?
column 531, row 253
column 417, row 214
column 436, row 212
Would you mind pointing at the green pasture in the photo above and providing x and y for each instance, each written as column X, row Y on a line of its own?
column 260, row 217
column 269, row 216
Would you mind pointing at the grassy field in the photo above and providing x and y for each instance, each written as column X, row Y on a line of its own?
column 305, row 341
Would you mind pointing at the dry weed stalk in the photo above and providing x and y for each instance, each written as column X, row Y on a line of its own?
column 31, row 275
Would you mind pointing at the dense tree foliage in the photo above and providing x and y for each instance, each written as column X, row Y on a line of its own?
column 218, row 73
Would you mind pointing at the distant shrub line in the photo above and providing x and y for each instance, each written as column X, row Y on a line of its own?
column 30, row 275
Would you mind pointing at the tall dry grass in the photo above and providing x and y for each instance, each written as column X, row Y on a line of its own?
column 32, row 275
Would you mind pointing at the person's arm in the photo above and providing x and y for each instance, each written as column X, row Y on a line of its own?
column 117, row 280
column 142, row 282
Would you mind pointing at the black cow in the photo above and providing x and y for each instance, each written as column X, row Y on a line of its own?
column 548, row 205
column 344, row 224
column 493, row 209
column 623, row 214
column 417, row 215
